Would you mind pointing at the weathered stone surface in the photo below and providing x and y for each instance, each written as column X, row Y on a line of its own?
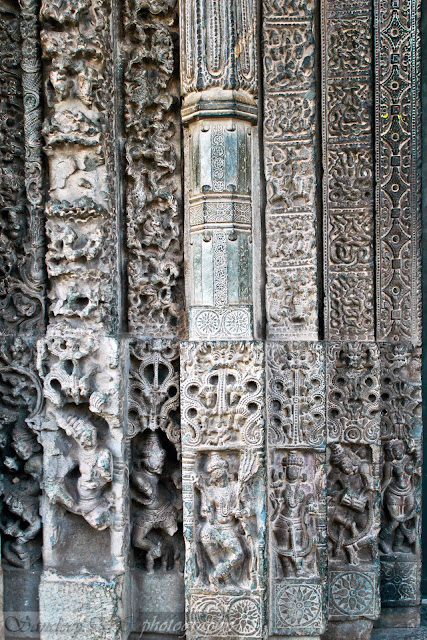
column 153, row 188
column 347, row 112
column 81, row 606
column 290, row 170
column 398, row 156
column 223, row 488
column 296, row 442
column 353, row 422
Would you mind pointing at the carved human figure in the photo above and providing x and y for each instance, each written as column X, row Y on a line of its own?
column 222, row 534
column 21, row 519
column 398, row 498
column 95, row 463
column 293, row 514
column 351, row 486
column 157, row 503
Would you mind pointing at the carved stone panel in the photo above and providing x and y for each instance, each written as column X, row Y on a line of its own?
column 348, row 200
column 218, row 48
column 353, row 418
column 220, row 242
column 401, row 435
column 223, row 488
column 85, row 472
column 153, row 187
column 78, row 131
column 296, row 441
column 290, row 170
column 155, row 473
column 21, row 235
column 398, row 156
column 21, row 401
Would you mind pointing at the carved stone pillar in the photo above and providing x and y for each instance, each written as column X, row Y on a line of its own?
column 22, row 306
column 219, row 85
column 83, row 429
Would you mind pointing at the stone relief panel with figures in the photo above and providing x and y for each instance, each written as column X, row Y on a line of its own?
column 155, row 474
column 296, row 440
column 401, row 433
column 21, row 453
column 353, row 418
column 82, row 438
column 223, row 487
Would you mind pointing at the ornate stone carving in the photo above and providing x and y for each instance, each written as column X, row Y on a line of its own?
column 289, row 157
column 154, row 207
column 226, row 34
column 77, row 52
column 20, row 460
column 353, row 415
column 220, row 229
column 347, row 106
column 223, row 487
column 398, row 157
column 296, row 433
column 21, row 237
column 81, row 436
column 155, row 475
column 401, row 430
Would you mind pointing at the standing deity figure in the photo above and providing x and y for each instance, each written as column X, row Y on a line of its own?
column 156, row 501
column 350, row 487
column 95, row 463
column 223, row 532
column 293, row 523
column 398, row 499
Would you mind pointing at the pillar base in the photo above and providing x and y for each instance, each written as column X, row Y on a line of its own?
column 351, row 630
column 83, row 606
column 399, row 617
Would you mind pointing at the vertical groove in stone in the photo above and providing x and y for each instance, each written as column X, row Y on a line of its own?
column 296, row 452
column 290, row 170
column 353, row 438
column 153, row 189
column 348, row 185
column 398, row 157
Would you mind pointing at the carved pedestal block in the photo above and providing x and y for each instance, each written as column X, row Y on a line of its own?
column 222, row 410
column 296, row 450
column 81, row 606
column 85, row 506
column 353, row 419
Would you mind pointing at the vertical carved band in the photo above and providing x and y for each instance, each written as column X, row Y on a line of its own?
column 347, row 107
column 398, row 153
column 353, row 419
column 296, row 443
column 290, row 166
column 78, row 130
column 154, row 207
column 401, row 435
column 223, row 488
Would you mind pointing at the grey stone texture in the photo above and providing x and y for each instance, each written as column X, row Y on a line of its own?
column 210, row 344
